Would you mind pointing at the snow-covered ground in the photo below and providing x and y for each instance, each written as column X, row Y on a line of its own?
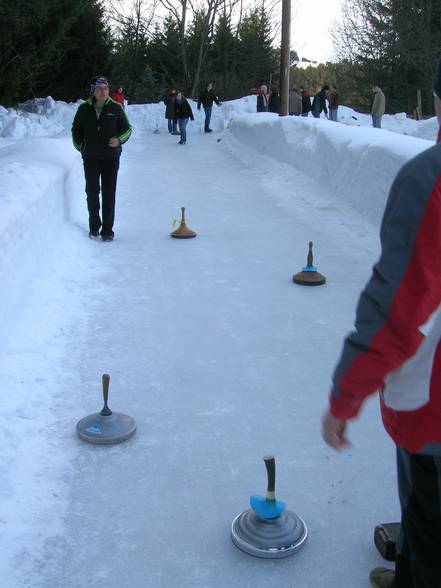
column 209, row 344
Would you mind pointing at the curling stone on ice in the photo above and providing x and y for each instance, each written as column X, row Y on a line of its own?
column 309, row 276
column 106, row 427
column 268, row 529
column 183, row 232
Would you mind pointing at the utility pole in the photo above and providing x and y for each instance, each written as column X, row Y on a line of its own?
column 285, row 57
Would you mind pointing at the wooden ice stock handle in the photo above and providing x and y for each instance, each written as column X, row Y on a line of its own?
column 270, row 464
column 106, row 380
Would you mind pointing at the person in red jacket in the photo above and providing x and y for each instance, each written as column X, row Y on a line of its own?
column 118, row 96
column 396, row 349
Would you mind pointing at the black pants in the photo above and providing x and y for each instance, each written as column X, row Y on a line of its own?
column 105, row 170
column 418, row 562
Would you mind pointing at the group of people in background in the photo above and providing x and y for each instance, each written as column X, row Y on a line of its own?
column 178, row 111
column 325, row 100
column 300, row 101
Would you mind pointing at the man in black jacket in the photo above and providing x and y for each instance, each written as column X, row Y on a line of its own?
column 207, row 98
column 319, row 102
column 99, row 129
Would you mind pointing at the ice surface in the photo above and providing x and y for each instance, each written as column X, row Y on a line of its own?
column 213, row 350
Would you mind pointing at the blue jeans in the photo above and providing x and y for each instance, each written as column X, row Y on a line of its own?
column 315, row 114
column 183, row 128
column 376, row 121
column 207, row 110
column 333, row 112
column 305, row 113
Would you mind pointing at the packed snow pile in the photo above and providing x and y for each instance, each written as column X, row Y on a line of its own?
column 42, row 117
column 357, row 165
column 33, row 208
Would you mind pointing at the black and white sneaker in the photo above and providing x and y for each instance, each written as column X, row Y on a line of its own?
column 94, row 235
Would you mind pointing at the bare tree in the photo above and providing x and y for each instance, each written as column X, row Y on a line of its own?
column 135, row 23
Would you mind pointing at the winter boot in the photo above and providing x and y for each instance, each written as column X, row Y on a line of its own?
column 382, row 578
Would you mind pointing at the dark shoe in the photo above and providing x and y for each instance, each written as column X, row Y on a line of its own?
column 94, row 235
column 107, row 237
column 208, row 130
column 382, row 578
column 181, row 143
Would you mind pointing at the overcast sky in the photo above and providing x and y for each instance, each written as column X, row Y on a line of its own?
column 310, row 27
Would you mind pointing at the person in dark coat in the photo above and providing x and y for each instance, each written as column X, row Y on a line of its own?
column 319, row 102
column 169, row 101
column 183, row 113
column 262, row 98
column 306, row 101
column 99, row 129
column 274, row 101
column 206, row 99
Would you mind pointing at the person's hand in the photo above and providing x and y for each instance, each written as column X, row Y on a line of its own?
column 114, row 142
column 334, row 431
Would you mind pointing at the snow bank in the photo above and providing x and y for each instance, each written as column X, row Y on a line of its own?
column 32, row 211
column 357, row 165
column 42, row 117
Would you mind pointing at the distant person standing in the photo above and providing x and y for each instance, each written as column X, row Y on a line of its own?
column 378, row 106
column 262, row 98
column 99, row 129
column 333, row 100
column 183, row 113
column 295, row 103
column 319, row 102
column 118, row 96
column 169, row 101
column 274, row 101
column 206, row 99
column 306, row 101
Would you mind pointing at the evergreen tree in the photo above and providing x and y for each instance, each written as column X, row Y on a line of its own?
column 40, row 44
column 223, row 57
column 257, row 62
column 163, row 53
column 395, row 43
